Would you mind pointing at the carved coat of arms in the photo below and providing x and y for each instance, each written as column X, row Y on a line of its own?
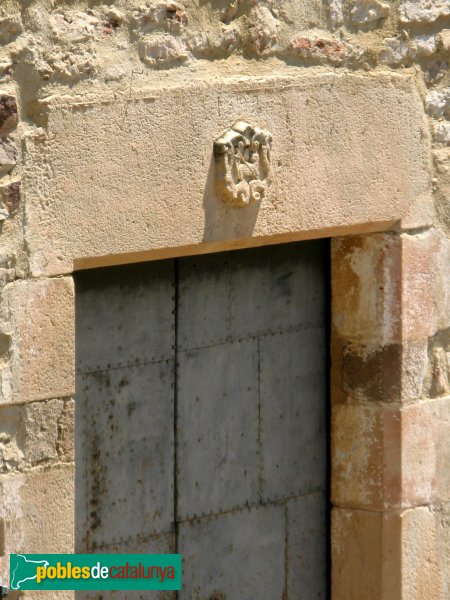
column 243, row 170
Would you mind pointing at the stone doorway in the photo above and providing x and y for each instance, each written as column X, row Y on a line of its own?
column 202, row 419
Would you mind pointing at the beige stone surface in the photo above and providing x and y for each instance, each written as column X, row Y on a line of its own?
column 365, row 373
column 115, row 175
column 426, row 283
column 366, row 561
column 366, row 289
column 386, row 457
column 387, row 556
column 39, row 317
column 36, row 434
column 424, row 571
column 390, row 288
column 118, row 107
column 36, row 513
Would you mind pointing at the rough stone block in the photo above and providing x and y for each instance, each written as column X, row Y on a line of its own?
column 137, row 316
column 125, row 464
column 36, row 512
column 384, row 458
column 366, row 555
column 423, row 566
column 390, row 288
column 218, row 420
column 307, row 547
column 293, row 392
column 151, row 183
column 248, row 550
column 366, row 288
column 37, row 433
column 372, row 373
column 8, row 114
column 426, row 284
column 41, row 362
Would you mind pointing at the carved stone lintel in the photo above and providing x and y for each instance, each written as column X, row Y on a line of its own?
column 243, row 169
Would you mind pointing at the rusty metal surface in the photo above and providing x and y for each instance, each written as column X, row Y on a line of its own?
column 201, row 419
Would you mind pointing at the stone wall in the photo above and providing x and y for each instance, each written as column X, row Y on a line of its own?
column 390, row 483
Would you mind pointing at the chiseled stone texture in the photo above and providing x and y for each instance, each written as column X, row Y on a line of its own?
column 36, row 434
column 388, row 556
column 390, row 288
column 365, row 373
column 40, row 328
column 36, row 512
column 137, row 206
column 386, row 457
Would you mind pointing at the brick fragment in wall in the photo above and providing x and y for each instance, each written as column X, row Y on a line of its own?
column 318, row 47
column 368, row 11
column 10, row 197
column 8, row 114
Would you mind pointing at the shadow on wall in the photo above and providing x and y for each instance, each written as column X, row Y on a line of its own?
column 222, row 220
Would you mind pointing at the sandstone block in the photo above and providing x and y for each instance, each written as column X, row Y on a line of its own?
column 387, row 556
column 384, row 458
column 36, row 513
column 366, row 288
column 373, row 373
column 390, row 288
column 41, row 361
column 32, row 434
column 149, row 182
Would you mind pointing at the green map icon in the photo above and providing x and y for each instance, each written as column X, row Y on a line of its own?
column 23, row 569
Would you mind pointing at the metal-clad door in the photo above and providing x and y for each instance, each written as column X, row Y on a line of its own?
column 202, row 419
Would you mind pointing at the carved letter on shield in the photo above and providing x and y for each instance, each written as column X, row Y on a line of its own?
column 242, row 157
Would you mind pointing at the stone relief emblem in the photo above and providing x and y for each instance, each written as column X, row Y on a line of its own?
column 243, row 170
